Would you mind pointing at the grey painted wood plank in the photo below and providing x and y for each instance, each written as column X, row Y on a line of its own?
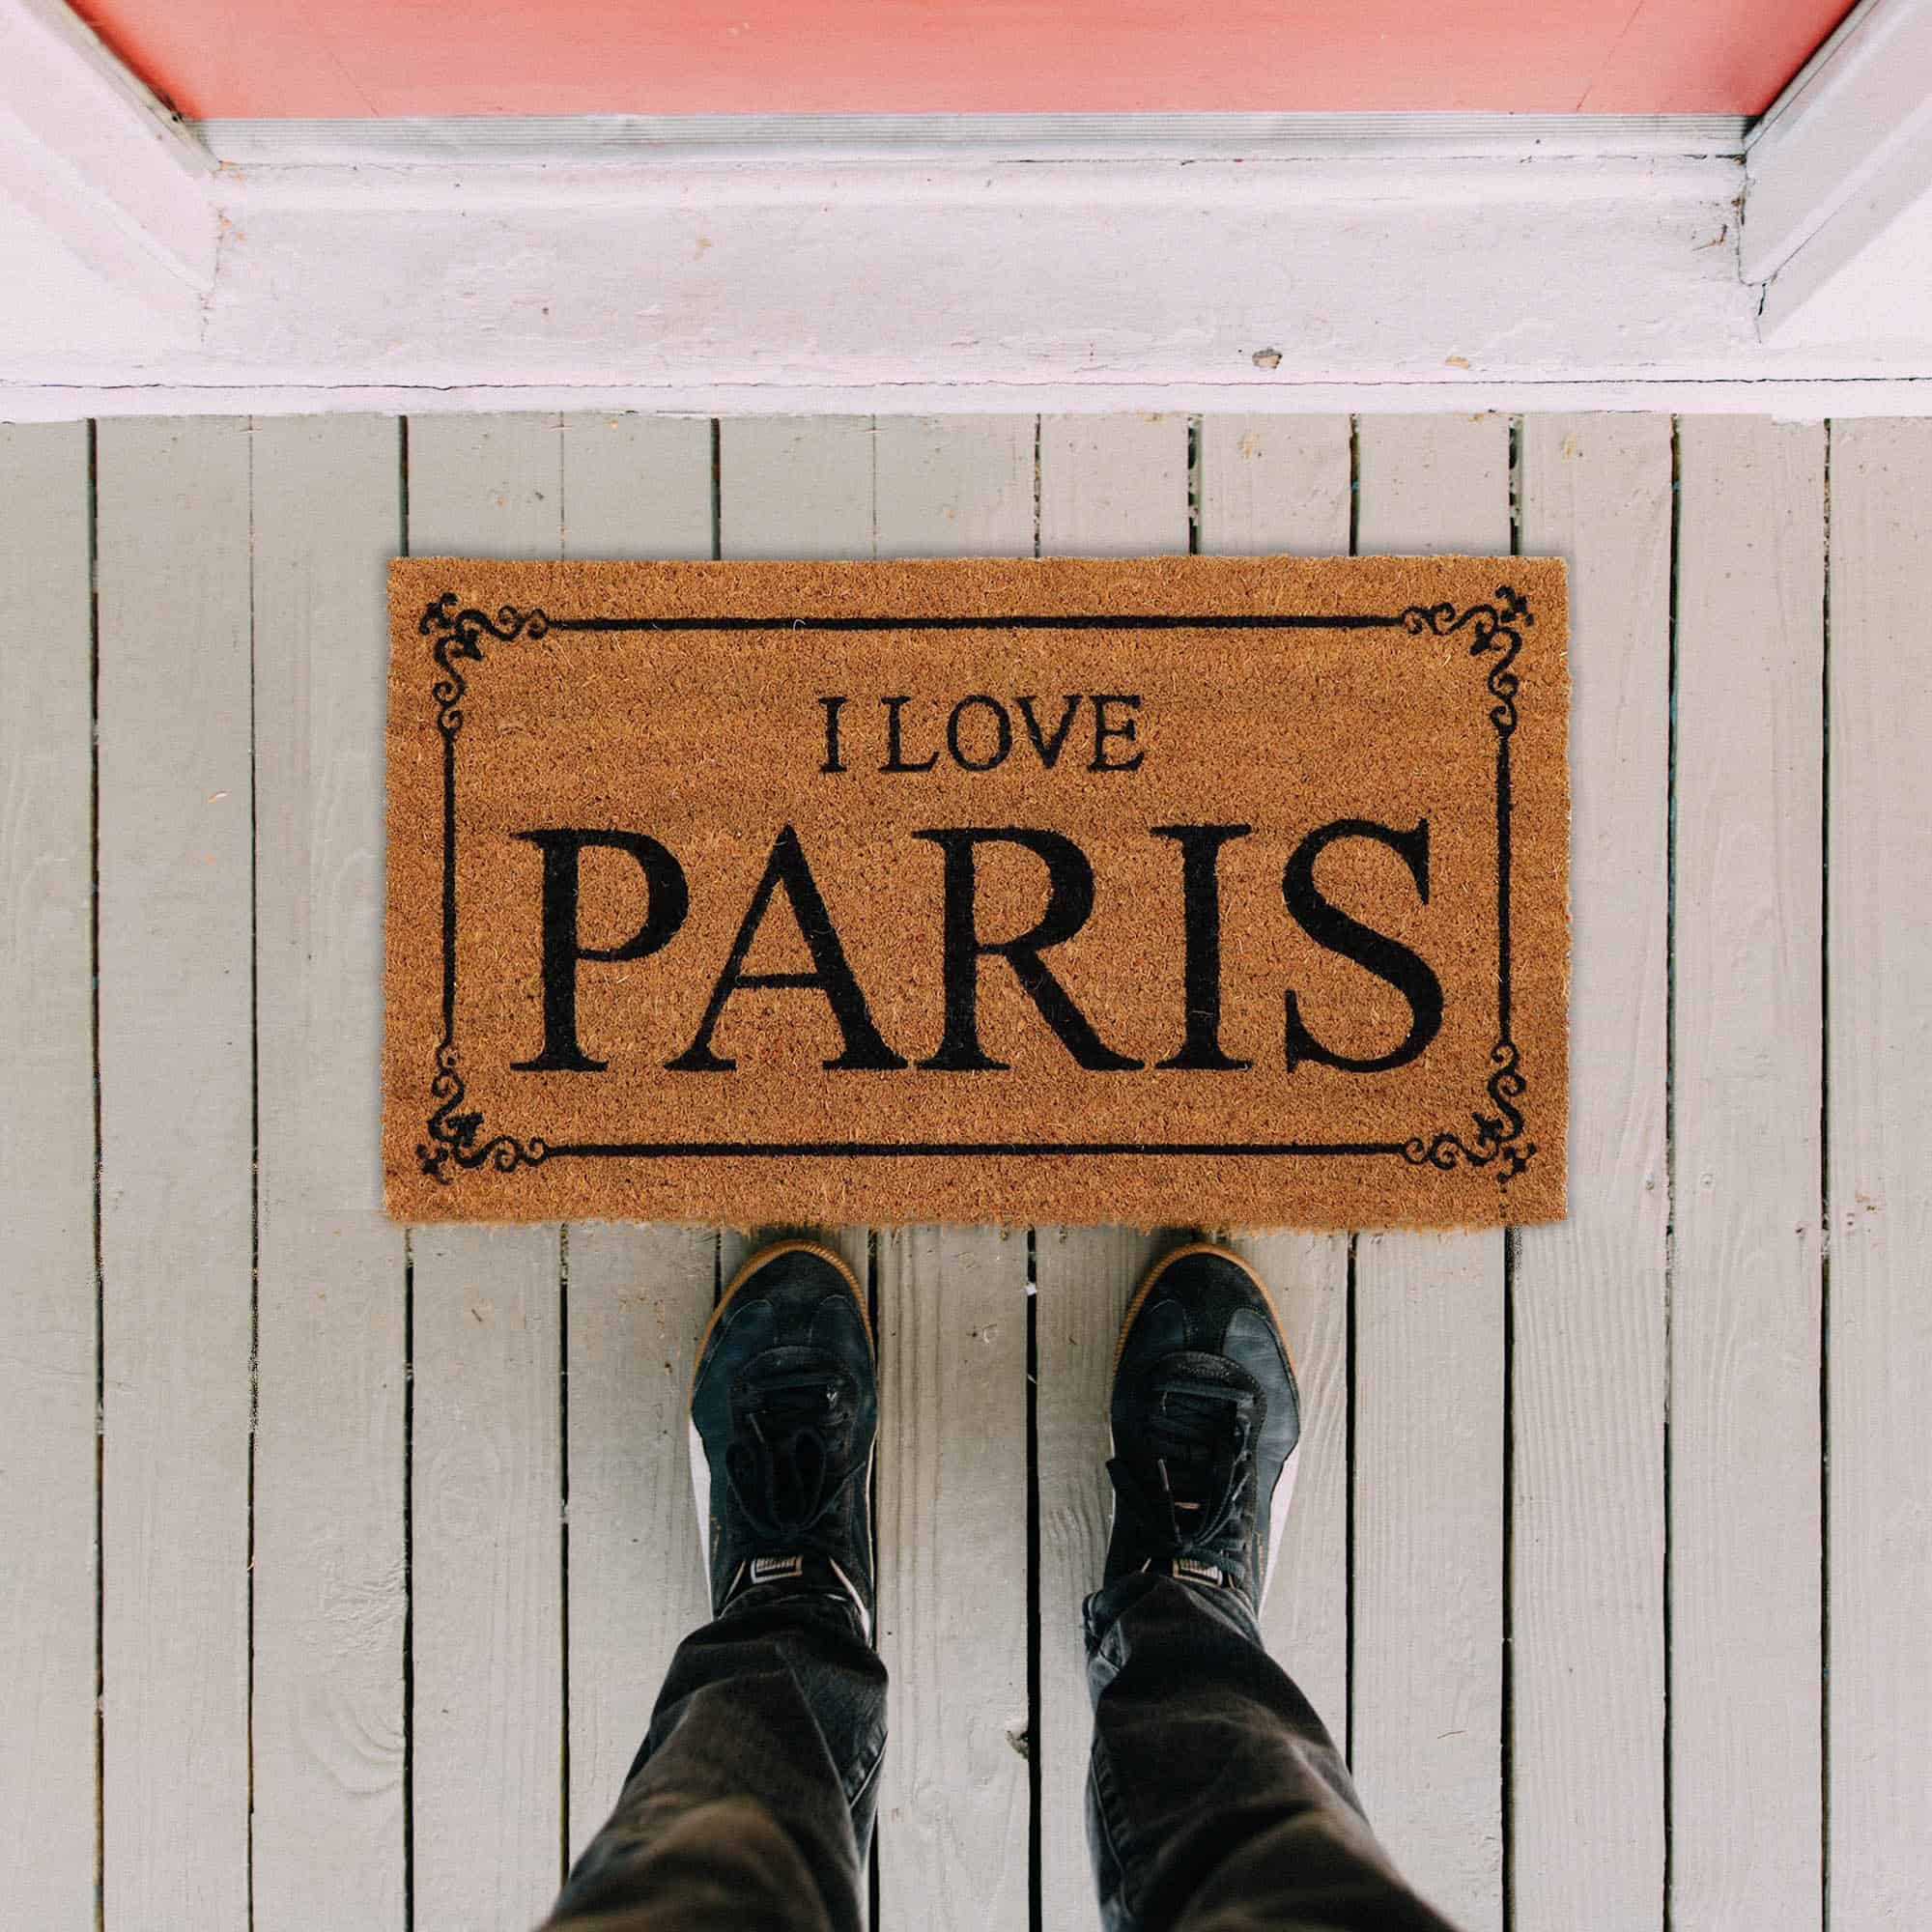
column 1274, row 484
column 177, row 1146
column 487, row 1580
column 795, row 486
column 955, row 1795
column 1281, row 484
column 1085, row 1277
column 638, row 1296
column 954, row 486
column 1744, row 1299
column 486, row 485
column 46, row 1184
column 1588, row 1332
column 329, row 1589
column 1109, row 485
column 1113, row 486
column 954, row 1803
column 1428, row 1633
column 636, row 486
column 1881, row 1318
column 487, row 1574
column 1429, row 1370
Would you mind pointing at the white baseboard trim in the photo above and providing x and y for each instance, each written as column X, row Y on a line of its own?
column 781, row 264
column 790, row 279
column 507, row 139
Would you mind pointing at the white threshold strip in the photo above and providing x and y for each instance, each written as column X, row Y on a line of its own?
column 473, row 138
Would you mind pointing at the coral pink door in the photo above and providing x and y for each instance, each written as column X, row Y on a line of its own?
column 387, row 57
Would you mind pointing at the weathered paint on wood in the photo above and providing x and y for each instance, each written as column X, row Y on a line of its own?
column 1084, row 1279
column 954, row 486
column 486, row 1500
column 1268, row 485
column 330, row 1594
column 636, row 486
column 1744, row 1519
column 177, row 1152
column 795, row 486
column 1880, row 1499
column 954, row 1803
column 1587, row 1633
column 47, row 1188
column 638, row 1296
column 1113, row 486
column 487, row 1576
column 1429, row 1372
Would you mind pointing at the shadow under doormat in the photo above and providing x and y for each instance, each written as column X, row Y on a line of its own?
column 1217, row 892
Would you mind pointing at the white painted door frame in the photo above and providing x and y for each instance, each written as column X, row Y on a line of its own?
column 1275, row 263
column 1839, row 171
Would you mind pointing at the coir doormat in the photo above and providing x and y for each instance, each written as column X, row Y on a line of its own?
column 1202, row 890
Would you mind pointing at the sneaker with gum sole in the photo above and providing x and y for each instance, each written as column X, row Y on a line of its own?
column 1206, row 1424
column 784, row 1420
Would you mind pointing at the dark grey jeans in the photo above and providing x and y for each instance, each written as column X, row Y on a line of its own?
column 1216, row 1800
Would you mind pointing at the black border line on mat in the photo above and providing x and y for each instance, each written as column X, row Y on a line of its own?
column 457, row 1139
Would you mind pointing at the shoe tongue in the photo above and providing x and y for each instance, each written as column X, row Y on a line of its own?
column 1200, row 1401
column 798, row 1464
column 793, row 1421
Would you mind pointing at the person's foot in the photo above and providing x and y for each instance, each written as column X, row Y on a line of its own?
column 783, row 1416
column 1206, row 1420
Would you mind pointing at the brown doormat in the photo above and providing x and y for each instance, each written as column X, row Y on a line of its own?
column 1207, row 890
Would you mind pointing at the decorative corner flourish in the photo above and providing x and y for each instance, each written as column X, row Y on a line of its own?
column 458, row 1138
column 1494, row 628
column 460, row 634
column 1497, row 1138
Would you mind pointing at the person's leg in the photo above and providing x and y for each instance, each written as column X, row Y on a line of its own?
column 1216, row 1801
column 750, row 1803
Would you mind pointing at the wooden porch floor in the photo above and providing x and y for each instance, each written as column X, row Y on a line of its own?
column 341, row 1564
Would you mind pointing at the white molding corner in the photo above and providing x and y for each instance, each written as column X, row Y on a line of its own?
column 1842, row 157
column 109, row 174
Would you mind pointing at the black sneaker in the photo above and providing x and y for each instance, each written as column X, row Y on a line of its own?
column 1207, row 1421
column 784, row 1416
